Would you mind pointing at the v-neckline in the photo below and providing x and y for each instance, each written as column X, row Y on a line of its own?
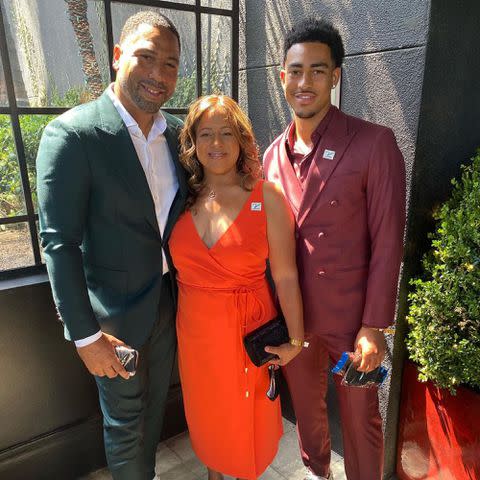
column 228, row 228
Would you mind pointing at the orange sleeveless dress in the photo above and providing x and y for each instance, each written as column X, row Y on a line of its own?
column 223, row 294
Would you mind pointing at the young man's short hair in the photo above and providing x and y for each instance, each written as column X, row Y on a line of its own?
column 316, row 30
column 148, row 17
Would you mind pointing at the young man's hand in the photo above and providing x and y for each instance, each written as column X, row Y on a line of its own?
column 370, row 344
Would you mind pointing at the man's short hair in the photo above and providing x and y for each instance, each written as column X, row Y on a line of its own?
column 149, row 17
column 314, row 29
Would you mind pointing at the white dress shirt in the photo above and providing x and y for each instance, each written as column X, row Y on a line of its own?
column 157, row 163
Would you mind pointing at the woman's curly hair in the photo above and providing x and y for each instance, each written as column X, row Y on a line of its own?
column 248, row 163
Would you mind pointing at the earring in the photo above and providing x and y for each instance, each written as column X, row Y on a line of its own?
column 333, row 86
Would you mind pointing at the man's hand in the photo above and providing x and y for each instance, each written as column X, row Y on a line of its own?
column 100, row 359
column 370, row 344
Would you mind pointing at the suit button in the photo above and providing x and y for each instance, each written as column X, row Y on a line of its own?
column 297, row 235
column 321, row 273
column 321, row 234
column 333, row 203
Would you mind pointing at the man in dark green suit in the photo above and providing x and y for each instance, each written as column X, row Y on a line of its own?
column 110, row 188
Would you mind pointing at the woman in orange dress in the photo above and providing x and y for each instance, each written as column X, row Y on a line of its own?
column 234, row 221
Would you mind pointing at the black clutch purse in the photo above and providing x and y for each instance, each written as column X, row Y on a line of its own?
column 272, row 333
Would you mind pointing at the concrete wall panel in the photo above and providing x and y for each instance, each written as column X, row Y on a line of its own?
column 365, row 26
column 386, row 88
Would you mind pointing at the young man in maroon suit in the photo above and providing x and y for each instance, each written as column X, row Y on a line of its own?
column 345, row 181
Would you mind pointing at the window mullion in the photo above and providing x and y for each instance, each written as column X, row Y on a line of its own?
column 198, row 32
column 17, row 137
column 109, row 31
column 235, row 46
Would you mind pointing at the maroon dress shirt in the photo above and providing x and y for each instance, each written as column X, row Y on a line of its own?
column 301, row 162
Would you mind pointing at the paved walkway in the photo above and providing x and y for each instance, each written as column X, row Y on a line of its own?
column 176, row 461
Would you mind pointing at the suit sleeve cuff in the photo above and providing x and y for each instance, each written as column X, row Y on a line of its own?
column 83, row 342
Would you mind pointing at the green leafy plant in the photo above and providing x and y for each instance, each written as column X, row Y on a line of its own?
column 73, row 96
column 444, row 314
column 11, row 196
column 11, row 192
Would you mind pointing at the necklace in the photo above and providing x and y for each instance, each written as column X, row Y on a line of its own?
column 212, row 194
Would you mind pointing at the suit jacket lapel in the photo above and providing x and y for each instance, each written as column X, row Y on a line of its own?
column 171, row 134
column 288, row 178
column 123, row 158
column 335, row 139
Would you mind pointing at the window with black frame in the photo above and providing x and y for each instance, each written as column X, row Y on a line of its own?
column 55, row 54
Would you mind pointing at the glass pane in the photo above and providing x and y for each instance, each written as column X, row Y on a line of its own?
column 186, row 90
column 58, row 51
column 15, row 246
column 11, row 192
column 32, row 128
column 216, row 54
column 227, row 4
column 3, row 87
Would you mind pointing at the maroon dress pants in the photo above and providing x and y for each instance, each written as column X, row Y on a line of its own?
column 307, row 378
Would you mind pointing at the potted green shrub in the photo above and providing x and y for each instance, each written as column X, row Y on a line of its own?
column 440, row 413
column 444, row 318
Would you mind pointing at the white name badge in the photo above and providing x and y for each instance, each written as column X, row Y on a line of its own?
column 256, row 206
column 328, row 154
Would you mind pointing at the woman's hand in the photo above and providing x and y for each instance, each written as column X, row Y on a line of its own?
column 285, row 352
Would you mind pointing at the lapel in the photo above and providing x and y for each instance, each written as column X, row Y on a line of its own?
column 123, row 158
column 288, row 178
column 171, row 134
column 336, row 138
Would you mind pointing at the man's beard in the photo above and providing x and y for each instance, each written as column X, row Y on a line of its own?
column 147, row 106
column 305, row 114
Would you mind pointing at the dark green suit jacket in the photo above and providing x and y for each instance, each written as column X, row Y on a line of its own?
column 98, row 227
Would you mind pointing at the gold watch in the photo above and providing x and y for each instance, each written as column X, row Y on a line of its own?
column 386, row 331
column 298, row 343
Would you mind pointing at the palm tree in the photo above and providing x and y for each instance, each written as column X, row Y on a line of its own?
column 77, row 13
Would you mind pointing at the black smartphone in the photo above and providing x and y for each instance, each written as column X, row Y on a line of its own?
column 128, row 358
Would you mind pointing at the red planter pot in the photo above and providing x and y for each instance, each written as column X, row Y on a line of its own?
column 439, row 434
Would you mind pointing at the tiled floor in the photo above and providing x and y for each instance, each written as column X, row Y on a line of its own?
column 176, row 461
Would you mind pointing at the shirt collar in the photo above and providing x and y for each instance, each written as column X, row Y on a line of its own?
column 317, row 133
column 159, row 122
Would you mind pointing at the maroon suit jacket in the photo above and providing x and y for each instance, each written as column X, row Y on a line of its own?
column 350, row 222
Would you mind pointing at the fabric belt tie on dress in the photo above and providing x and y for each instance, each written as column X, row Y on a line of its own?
column 245, row 302
column 243, row 314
